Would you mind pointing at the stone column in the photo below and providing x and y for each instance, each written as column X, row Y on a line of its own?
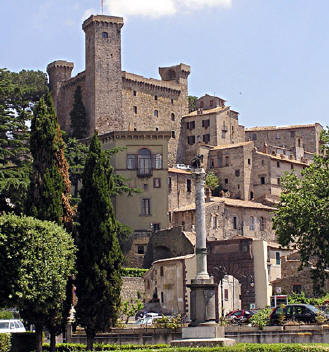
column 200, row 225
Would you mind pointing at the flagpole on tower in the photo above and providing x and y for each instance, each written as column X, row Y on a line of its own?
column 102, row 6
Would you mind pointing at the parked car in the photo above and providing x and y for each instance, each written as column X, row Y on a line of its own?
column 148, row 319
column 299, row 312
column 239, row 316
column 11, row 325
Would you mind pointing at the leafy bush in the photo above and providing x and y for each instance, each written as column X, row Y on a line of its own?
column 261, row 318
column 296, row 298
column 168, row 322
column 133, row 272
column 72, row 347
column 5, row 314
column 5, row 343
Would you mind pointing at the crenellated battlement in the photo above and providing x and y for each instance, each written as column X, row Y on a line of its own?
column 103, row 20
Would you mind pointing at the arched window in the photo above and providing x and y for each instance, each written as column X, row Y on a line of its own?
column 252, row 224
column 144, row 162
column 105, row 35
column 261, row 223
column 172, row 116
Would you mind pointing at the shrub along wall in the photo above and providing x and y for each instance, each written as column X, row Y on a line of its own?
column 5, row 342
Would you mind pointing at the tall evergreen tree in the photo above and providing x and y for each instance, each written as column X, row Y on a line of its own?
column 49, row 190
column 79, row 122
column 99, row 258
column 18, row 94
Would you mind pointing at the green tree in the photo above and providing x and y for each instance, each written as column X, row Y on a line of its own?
column 192, row 103
column 18, row 94
column 36, row 257
column 79, row 121
column 99, row 258
column 49, row 190
column 211, row 181
column 302, row 217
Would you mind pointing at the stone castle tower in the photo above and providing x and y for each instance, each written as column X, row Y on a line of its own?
column 116, row 100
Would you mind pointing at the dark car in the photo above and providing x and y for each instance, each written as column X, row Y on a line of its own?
column 298, row 312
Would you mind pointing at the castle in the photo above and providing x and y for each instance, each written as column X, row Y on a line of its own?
column 150, row 118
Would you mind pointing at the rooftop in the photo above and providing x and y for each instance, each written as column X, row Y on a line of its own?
column 286, row 159
column 206, row 112
column 179, row 171
column 229, row 146
column 274, row 128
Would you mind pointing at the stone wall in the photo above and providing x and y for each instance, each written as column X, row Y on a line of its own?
column 131, row 287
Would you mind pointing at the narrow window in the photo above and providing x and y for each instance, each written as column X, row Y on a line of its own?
column 135, row 109
column 156, row 113
column 262, row 180
column 162, row 297
column 173, row 134
column 214, row 222
column 157, row 161
column 140, row 249
column 188, row 185
column 169, row 216
column 156, row 128
column 251, row 195
column 135, row 93
column 206, row 138
column 237, row 173
column 172, row 116
column 144, row 163
column 279, row 181
column 291, row 166
column 252, row 223
column 172, row 101
column 277, row 258
column 131, row 161
column 212, row 163
column 161, row 270
column 263, row 162
column 146, row 210
column 105, row 35
column 226, row 294
column 155, row 97
column 169, row 184
column 278, row 164
column 227, row 161
column 226, row 181
column 235, row 222
column 249, row 161
column 261, row 223
column 191, row 140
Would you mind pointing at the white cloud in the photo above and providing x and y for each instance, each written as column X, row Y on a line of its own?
column 148, row 8
column 159, row 8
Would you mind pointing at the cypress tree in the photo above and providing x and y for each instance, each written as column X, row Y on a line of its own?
column 99, row 258
column 49, row 190
column 79, row 122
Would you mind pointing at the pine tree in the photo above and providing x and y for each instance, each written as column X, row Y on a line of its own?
column 79, row 122
column 49, row 190
column 99, row 258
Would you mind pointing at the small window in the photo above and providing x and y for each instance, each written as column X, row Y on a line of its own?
column 214, row 225
column 155, row 97
column 212, row 164
column 172, row 116
column 162, row 297
column 135, row 93
column 262, row 180
column 188, row 185
column 227, row 161
column 105, row 35
column 292, row 134
column 261, row 223
column 173, row 134
column 235, row 222
column 156, row 113
column 279, row 181
column 169, row 216
column 172, row 101
column 156, row 182
column 140, row 249
column 263, row 162
column 249, row 161
column 278, row 164
column 157, row 161
column 237, row 173
column 205, row 123
column 169, row 184
column 277, row 258
column 135, row 109
column 161, row 270
column 191, row 140
column 252, row 223
column 156, row 128
column 226, row 181
column 251, row 195
column 206, row 138
column 291, row 166
column 156, row 227
column 146, row 210
column 226, row 294
column 131, row 161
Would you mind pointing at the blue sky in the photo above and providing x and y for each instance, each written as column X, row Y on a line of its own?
column 267, row 58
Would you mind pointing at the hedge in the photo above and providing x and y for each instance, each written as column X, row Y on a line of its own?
column 165, row 348
column 23, row 341
column 5, row 343
column 133, row 272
